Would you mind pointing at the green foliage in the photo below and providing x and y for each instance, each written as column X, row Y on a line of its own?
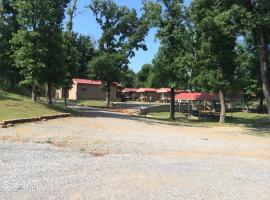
column 145, row 71
column 86, row 52
column 129, row 79
column 106, row 67
column 123, row 30
column 8, row 26
column 248, row 69
column 169, row 17
column 38, row 49
column 123, row 33
column 215, row 57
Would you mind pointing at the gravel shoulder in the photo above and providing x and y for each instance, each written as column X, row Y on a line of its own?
column 128, row 158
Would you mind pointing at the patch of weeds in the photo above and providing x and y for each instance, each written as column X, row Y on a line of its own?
column 49, row 141
column 82, row 150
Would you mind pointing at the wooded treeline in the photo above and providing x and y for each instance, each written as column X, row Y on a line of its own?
column 213, row 46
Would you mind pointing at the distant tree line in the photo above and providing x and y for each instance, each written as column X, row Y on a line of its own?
column 216, row 46
column 213, row 46
column 36, row 51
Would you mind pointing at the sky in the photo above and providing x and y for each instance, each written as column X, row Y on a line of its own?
column 86, row 24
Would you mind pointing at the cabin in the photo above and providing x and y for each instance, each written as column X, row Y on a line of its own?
column 84, row 89
column 130, row 94
column 147, row 94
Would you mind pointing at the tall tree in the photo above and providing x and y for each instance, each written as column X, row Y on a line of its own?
column 144, row 73
column 27, row 44
column 129, row 79
column 86, row 52
column 216, row 52
column 8, row 27
column 258, row 13
column 110, row 73
column 169, row 17
column 55, row 68
column 123, row 32
column 38, row 45
column 70, row 49
column 248, row 71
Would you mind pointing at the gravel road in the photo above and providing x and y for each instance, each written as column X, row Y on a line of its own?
column 127, row 158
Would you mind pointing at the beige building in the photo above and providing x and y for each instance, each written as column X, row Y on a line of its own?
column 84, row 89
column 147, row 94
column 130, row 94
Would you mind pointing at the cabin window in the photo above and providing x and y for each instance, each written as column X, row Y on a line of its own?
column 83, row 88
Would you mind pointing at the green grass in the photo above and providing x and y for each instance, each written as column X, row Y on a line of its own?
column 92, row 103
column 14, row 106
column 252, row 120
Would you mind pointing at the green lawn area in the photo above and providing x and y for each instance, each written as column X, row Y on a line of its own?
column 16, row 106
column 253, row 120
column 92, row 103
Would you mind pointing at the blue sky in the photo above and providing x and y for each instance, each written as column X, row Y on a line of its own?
column 85, row 23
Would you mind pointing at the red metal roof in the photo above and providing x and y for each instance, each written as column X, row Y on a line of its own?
column 92, row 82
column 86, row 81
column 198, row 96
column 146, row 90
column 126, row 90
column 163, row 90
column 167, row 90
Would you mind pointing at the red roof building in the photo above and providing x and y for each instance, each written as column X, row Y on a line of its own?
column 198, row 96
column 127, row 90
column 86, row 81
column 142, row 90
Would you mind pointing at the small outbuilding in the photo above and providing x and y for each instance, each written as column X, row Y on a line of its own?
column 130, row 94
column 84, row 89
column 147, row 94
column 200, row 102
column 165, row 94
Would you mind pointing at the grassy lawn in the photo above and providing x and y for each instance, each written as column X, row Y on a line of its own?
column 16, row 106
column 92, row 103
column 252, row 120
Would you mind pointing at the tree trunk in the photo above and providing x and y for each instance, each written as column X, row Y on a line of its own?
column 34, row 94
column 172, row 107
column 223, row 107
column 108, row 96
column 65, row 96
column 262, row 43
column 49, row 93
column 260, row 110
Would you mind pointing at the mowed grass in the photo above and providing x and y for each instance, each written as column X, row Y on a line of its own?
column 14, row 106
column 253, row 120
column 92, row 103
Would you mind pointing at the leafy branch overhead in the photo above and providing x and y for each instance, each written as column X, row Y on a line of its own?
column 123, row 30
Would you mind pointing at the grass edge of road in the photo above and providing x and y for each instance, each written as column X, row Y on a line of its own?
column 248, row 121
column 14, row 106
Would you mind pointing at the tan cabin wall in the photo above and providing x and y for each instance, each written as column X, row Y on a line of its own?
column 72, row 94
column 94, row 92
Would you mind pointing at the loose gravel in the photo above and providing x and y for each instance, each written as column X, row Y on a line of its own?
column 123, row 158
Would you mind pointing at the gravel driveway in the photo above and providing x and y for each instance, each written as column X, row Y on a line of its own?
column 109, row 156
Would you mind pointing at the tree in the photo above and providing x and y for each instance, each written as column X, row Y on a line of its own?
column 70, row 50
column 54, row 61
column 169, row 17
column 215, row 55
column 248, row 70
column 86, row 52
column 110, row 73
column 38, row 45
column 8, row 27
column 144, row 73
column 123, row 32
column 258, row 14
column 129, row 79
